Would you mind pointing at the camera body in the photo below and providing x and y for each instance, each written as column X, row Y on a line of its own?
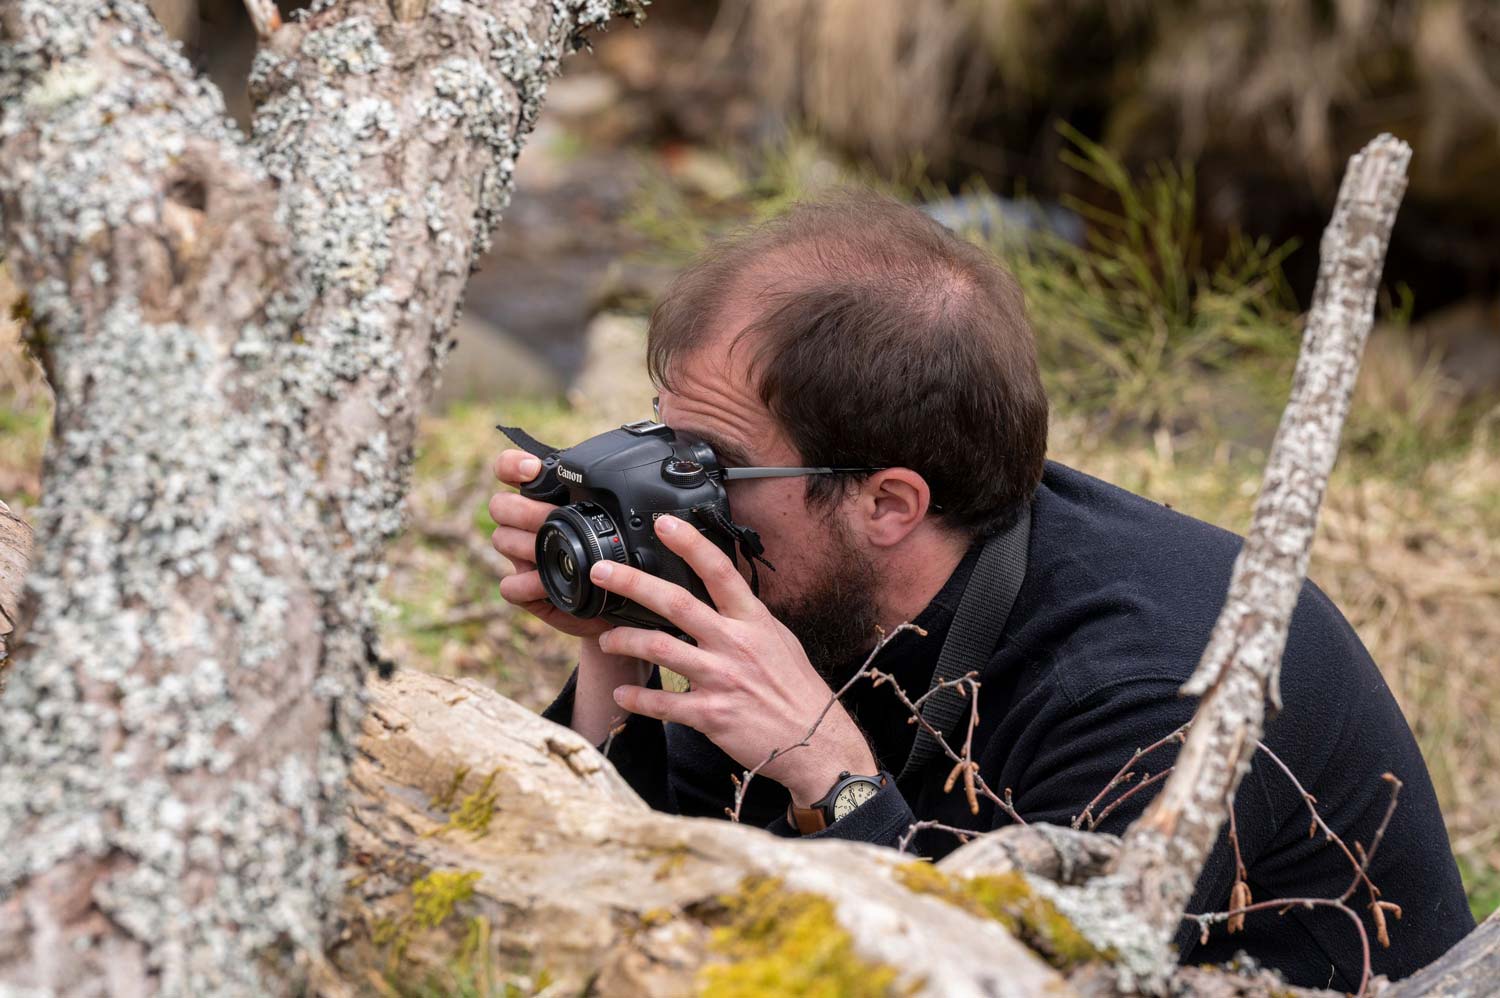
column 610, row 490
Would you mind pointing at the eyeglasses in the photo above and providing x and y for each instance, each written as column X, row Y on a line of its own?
column 738, row 474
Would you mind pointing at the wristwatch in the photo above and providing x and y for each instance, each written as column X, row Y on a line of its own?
column 847, row 794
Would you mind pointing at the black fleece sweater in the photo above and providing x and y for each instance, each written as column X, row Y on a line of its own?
column 1118, row 600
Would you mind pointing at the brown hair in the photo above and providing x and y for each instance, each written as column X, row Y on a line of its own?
column 880, row 339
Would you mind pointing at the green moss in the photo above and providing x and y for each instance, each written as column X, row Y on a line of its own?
column 1009, row 900
column 434, row 897
column 653, row 917
column 671, row 864
column 777, row 942
column 474, row 811
column 444, row 800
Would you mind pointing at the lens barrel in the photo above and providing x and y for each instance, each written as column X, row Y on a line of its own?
column 571, row 540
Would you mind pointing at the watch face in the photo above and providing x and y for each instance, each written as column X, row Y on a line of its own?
column 852, row 797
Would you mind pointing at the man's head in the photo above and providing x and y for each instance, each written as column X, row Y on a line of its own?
column 855, row 331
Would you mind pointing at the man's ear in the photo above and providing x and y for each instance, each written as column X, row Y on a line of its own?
column 892, row 503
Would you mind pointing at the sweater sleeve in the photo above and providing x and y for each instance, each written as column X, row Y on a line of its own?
column 881, row 820
column 639, row 752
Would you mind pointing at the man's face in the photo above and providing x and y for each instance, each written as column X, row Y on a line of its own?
column 824, row 586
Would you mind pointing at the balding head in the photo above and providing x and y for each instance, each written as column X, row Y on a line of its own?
column 877, row 338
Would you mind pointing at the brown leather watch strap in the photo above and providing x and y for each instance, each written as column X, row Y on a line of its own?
column 805, row 819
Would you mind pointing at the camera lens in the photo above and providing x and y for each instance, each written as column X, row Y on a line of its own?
column 568, row 544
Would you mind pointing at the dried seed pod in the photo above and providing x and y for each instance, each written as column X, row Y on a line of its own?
column 1239, row 897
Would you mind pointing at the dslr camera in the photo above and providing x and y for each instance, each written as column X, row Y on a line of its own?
column 609, row 491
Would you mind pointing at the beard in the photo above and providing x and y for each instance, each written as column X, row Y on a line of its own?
column 836, row 616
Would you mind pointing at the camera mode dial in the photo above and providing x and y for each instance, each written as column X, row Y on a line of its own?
column 685, row 473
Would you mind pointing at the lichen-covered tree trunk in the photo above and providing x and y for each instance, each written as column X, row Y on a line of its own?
column 239, row 336
column 519, row 830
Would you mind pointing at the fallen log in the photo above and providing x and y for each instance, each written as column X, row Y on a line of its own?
column 485, row 840
column 563, row 867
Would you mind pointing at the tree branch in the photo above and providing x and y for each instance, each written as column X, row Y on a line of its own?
column 1166, row 847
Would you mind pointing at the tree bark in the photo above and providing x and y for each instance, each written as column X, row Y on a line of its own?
column 1469, row 970
column 15, row 552
column 239, row 338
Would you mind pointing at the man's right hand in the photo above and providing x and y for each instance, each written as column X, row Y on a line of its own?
column 518, row 520
column 595, row 712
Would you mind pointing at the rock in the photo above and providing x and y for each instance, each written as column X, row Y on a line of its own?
column 582, row 95
column 488, row 364
column 613, row 385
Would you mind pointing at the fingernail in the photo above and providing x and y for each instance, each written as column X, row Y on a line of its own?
column 530, row 466
column 666, row 524
column 620, row 695
column 601, row 571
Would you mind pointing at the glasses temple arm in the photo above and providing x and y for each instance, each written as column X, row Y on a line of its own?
column 732, row 474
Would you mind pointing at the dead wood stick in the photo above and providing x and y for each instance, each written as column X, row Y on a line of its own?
column 1165, row 849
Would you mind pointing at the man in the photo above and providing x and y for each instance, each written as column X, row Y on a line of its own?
column 855, row 332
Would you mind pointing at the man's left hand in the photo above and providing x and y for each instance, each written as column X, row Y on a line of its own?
column 753, row 689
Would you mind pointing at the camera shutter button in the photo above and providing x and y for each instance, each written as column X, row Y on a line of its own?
column 682, row 472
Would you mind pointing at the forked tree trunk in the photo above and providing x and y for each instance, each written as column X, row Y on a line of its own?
column 240, row 336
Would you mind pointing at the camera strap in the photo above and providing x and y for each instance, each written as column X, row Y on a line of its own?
column 747, row 543
column 527, row 442
column 982, row 612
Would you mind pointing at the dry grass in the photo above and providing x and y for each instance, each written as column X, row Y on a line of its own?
column 1414, row 563
column 886, row 79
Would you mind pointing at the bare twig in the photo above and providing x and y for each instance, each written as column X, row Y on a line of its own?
column 1360, row 876
column 971, row 686
column 1124, row 775
column 1284, row 905
column 1239, row 894
column 1150, row 780
column 616, row 726
column 964, row 834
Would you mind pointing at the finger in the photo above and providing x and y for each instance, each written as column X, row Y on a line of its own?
column 516, row 467
column 658, row 647
column 517, row 545
column 666, row 599
column 523, row 588
column 679, row 708
column 730, row 592
column 511, row 510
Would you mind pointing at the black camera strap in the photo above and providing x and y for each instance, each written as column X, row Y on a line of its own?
column 982, row 612
column 527, row 442
column 745, row 540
